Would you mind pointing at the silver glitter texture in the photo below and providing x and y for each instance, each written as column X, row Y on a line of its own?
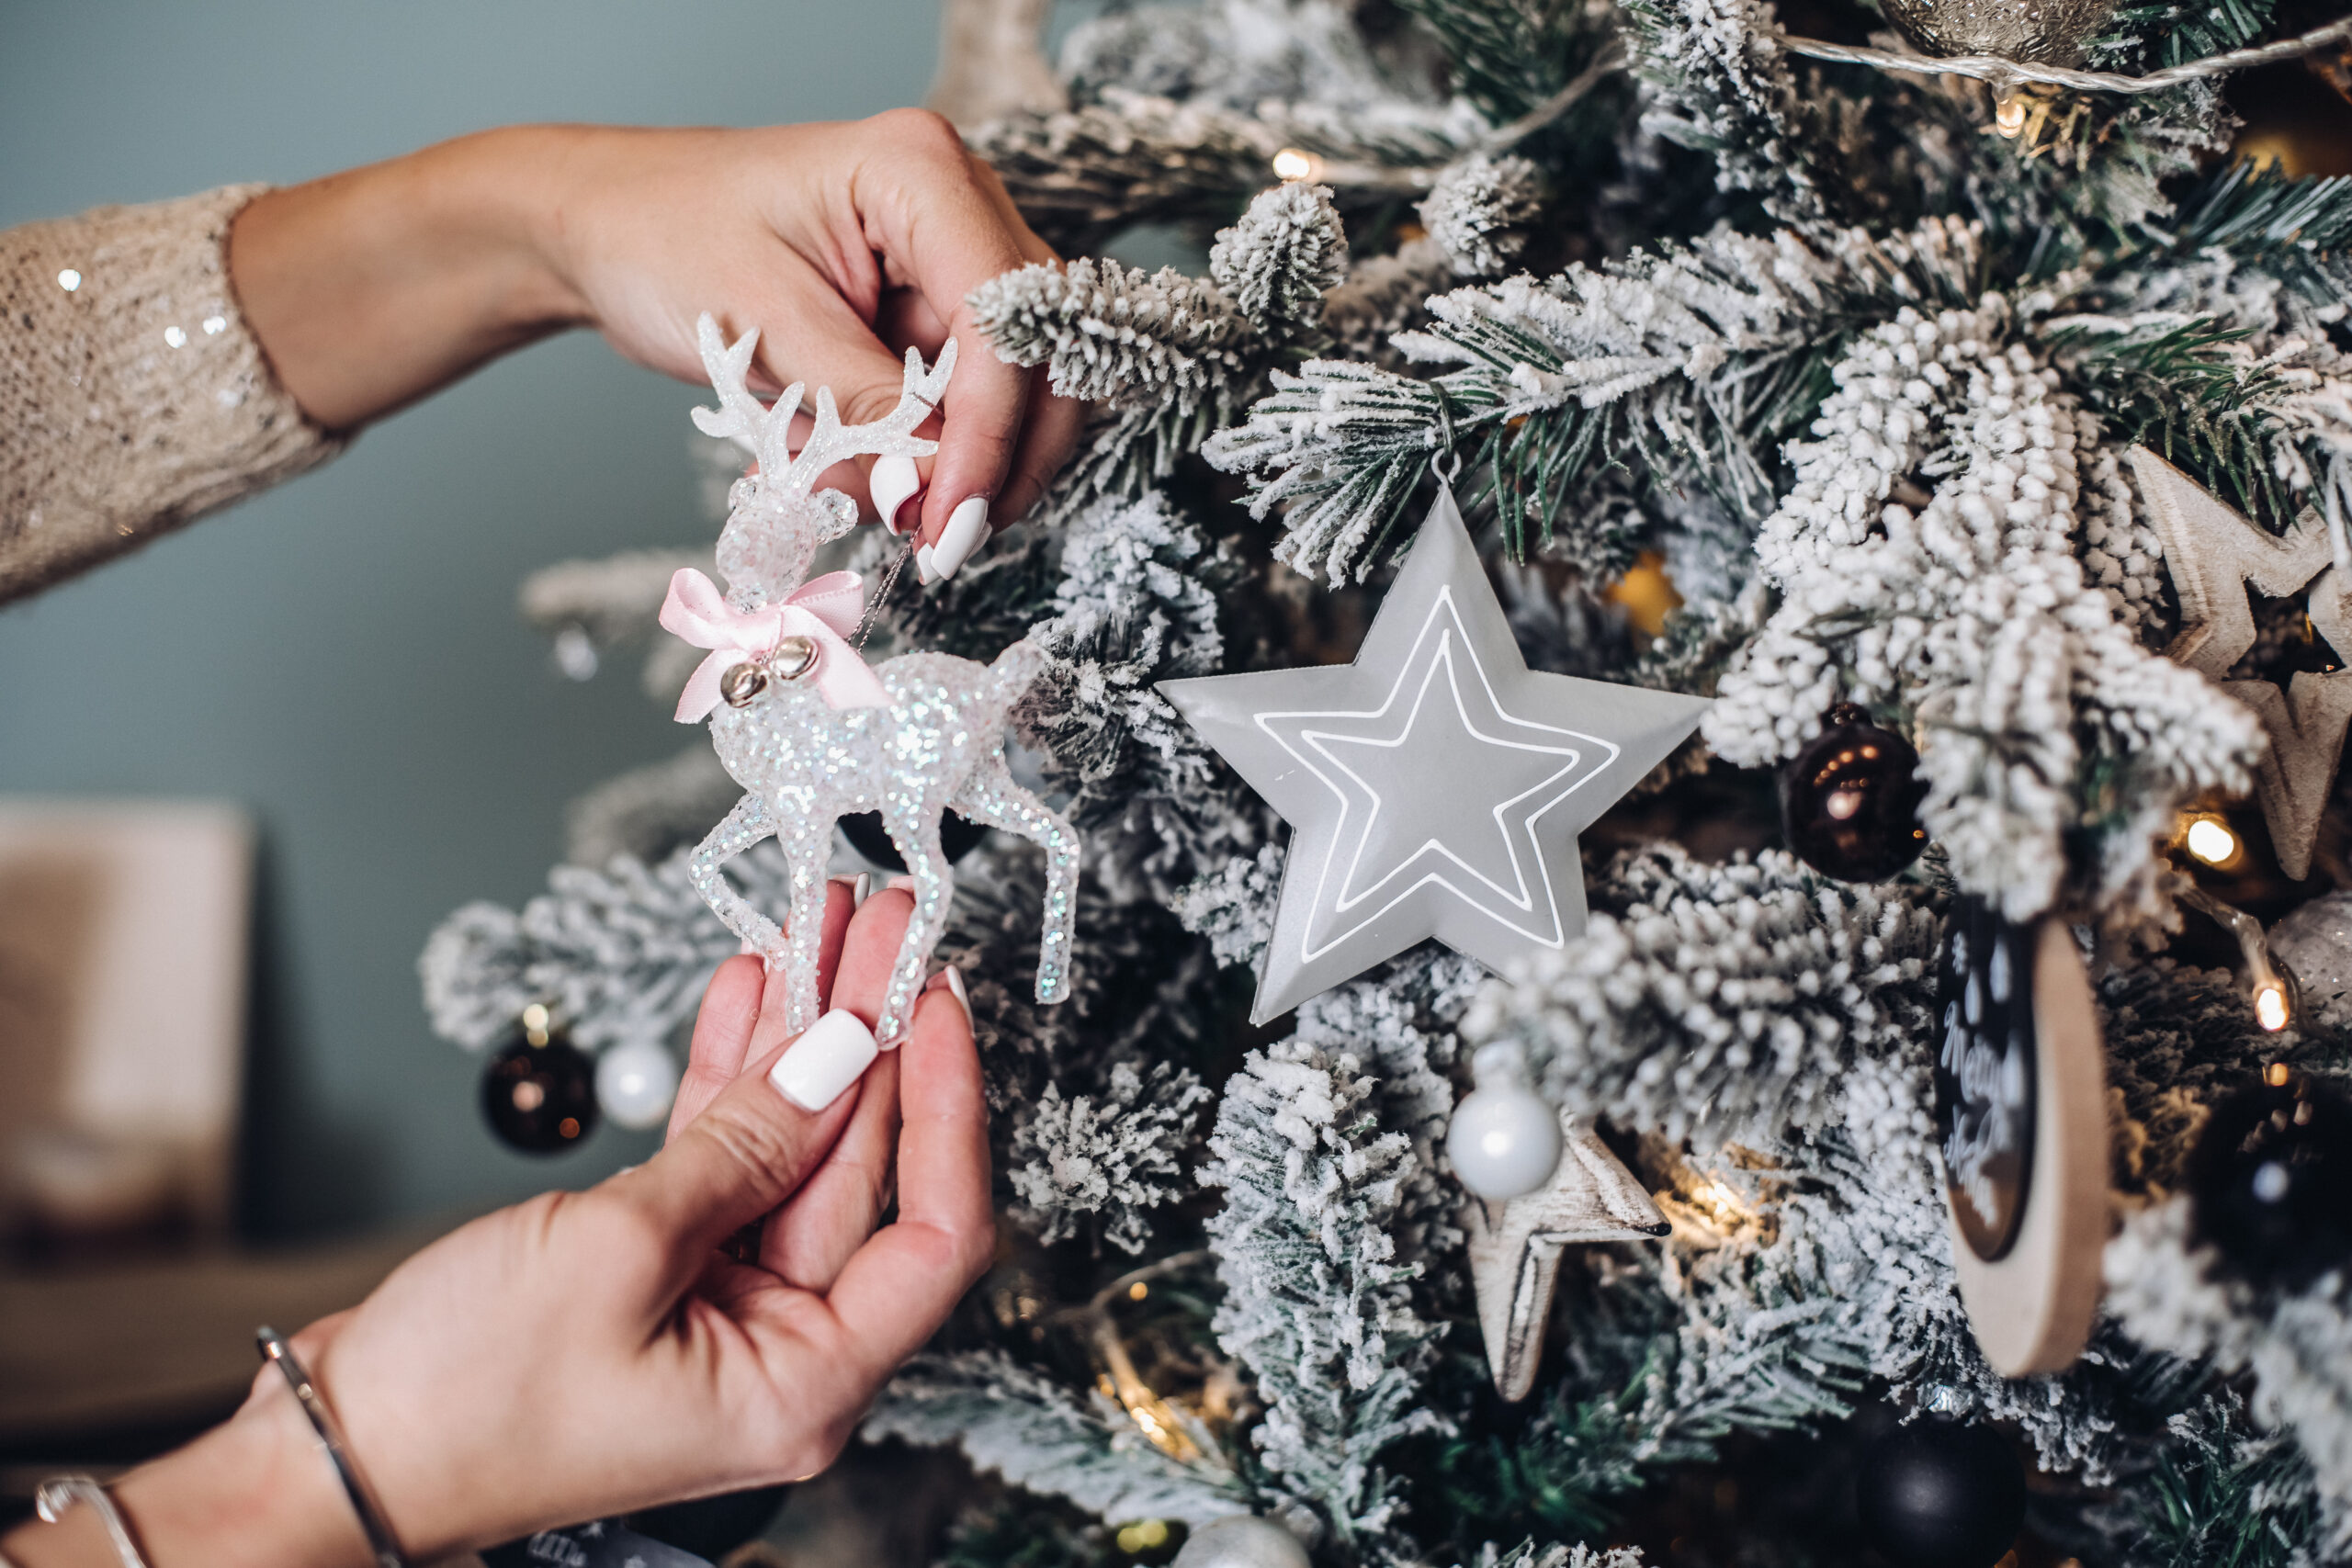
column 2315, row 941
column 2048, row 32
column 804, row 764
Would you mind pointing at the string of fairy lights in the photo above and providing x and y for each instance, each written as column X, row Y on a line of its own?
column 2014, row 108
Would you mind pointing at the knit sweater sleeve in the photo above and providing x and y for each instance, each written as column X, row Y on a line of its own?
column 133, row 399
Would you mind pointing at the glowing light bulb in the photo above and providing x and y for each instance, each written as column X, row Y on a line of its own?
column 2276, row 1075
column 68, row 280
column 1291, row 166
column 2210, row 842
column 2009, row 116
column 1142, row 1536
column 2270, row 1010
column 1138, row 1291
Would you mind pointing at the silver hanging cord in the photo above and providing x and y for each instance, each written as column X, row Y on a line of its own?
column 1446, row 452
column 890, row 580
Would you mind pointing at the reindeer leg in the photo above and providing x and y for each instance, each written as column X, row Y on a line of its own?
column 740, row 828
column 917, row 836
column 989, row 795
column 807, row 848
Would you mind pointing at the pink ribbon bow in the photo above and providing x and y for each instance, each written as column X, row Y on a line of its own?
column 825, row 611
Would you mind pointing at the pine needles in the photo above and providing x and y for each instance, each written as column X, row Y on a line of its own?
column 2174, row 389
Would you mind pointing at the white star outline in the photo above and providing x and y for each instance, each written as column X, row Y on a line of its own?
column 1522, row 898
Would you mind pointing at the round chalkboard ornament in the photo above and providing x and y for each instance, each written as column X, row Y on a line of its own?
column 2021, row 1088
column 1939, row 1495
column 1849, row 801
column 2271, row 1181
column 539, row 1092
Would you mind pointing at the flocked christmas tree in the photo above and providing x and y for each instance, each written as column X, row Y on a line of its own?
column 1993, row 429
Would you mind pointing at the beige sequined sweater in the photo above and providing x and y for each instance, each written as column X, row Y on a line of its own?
column 132, row 397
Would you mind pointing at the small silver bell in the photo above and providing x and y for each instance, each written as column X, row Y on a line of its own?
column 793, row 657
column 741, row 684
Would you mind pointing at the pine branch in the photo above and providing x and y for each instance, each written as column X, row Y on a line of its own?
column 1012, row 1419
column 2143, row 35
column 2298, row 230
column 1670, row 370
column 2168, row 386
column 1803, row 978
column 1097, row 1163
column 1081, row 176
column 2220, row 1495
column 2056, row 745
column 1317, row 1304
column 1508, row 56
column 1171, row 357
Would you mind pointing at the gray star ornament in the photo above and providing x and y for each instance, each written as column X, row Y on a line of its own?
column 1435, row 786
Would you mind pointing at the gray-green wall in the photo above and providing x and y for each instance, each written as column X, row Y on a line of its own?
column 342, row 655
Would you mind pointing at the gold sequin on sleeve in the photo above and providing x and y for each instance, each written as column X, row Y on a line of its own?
column 132, row 397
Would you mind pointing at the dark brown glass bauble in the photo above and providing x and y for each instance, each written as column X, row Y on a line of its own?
column 958, row 836
column 540, row 1099
column 1849, row 802
column 1940, row 1494
column 2270, row 1182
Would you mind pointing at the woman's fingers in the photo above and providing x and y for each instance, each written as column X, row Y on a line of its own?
column 1047, row 438
column 943, row 236
column 1050, row 431
column 810, row 1238
column 748, row 1151
column 740, row 995
column 837, row 1208
column 869, row 952
column 731, row 1008
column 897, row 1289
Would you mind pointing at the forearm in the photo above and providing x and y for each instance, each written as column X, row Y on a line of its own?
column 373, row 288
column 133, row 395
column 256, row 1491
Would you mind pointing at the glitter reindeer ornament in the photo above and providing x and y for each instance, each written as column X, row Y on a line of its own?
column 813, row 733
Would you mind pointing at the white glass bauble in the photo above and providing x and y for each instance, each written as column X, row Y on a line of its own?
column 1504, row 1140
column 1241, row 1540
column 634, row 1083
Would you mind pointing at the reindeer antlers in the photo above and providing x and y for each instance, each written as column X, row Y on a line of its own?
column 763, row 431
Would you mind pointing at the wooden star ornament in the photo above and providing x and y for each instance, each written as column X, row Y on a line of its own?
column 2211, row 553
column 1515, row 1247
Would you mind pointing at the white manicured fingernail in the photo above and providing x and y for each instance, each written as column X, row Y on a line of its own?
column 892, row 484
column 860, row 890
column 955, row 984
column 967, row 531
column 923, row 567
column 824, row 1061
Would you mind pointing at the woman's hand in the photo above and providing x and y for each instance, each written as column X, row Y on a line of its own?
column 588, row 1353
column 843, row 244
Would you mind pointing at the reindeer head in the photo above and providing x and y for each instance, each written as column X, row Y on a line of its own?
column 776, row 518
